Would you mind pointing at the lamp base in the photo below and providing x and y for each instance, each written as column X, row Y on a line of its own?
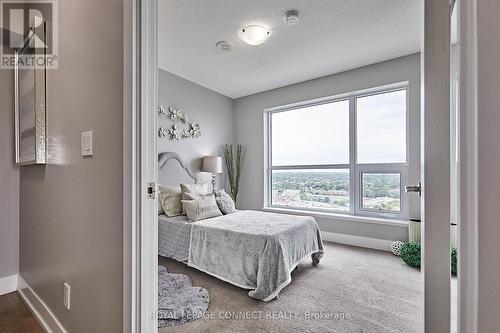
column 213, row 182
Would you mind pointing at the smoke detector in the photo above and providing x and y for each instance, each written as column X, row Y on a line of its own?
column 291, row 17
column 224, row 46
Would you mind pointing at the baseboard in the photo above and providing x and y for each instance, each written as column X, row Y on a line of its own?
column 40, row 310
column 371, row 243
column 8, row 284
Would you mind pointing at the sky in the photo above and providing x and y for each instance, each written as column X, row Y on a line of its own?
column 381, row 122
column 311, row 135
column 320, row 134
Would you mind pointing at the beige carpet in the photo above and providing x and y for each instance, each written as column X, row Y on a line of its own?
column 352, row 290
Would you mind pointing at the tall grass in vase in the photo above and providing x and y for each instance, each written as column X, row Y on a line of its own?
column 234, row 165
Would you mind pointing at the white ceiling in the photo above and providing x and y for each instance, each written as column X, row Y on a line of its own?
column 332, row 36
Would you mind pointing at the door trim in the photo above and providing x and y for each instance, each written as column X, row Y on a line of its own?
column 131, row 204
column 149, row 166
column 140, row 263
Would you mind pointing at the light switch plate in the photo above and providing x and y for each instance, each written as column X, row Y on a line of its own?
column 87, row 146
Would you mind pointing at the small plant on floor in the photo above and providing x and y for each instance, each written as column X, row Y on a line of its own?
column 410, row 254
column 454, row 261
column 234, row 167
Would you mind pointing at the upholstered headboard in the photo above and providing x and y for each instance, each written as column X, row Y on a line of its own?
column 172, row 170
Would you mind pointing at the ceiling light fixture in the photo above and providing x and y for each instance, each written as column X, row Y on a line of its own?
column 254, row 34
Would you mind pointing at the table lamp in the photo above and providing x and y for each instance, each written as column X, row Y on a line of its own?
column 212, row 164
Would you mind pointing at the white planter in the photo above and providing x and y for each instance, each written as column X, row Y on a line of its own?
column 453, row 235
column 414, row 231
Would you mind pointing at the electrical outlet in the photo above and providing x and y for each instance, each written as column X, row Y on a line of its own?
column 67, row 296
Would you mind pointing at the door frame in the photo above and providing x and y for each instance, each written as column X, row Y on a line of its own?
column 140, row 227
column 140, row 235
column 148, row 244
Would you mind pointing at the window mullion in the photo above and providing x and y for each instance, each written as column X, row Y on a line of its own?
column 305, row 167
column 352, row 156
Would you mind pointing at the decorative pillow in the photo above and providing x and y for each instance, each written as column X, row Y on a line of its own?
column 195, row 191
column 201, row 209
column 201, row 189
column 196, row 196
column 158, row 193
column 170, row 198
column 160, row 208
column 225, row 202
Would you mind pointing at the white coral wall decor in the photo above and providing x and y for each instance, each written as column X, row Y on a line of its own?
column 191, row 130
column 396, row 247
column 162, row 132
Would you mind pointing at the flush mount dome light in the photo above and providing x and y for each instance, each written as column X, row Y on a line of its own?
column 254, row 34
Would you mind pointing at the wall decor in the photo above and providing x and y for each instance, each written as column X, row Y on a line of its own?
column 30, row 103
column 190, row 130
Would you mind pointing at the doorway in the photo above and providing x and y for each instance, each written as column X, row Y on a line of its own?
column 149, row 127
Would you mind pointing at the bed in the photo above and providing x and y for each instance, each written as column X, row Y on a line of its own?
column 250, row 249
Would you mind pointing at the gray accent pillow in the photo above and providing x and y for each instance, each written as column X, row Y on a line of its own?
column 225, row 202
column 201, row 209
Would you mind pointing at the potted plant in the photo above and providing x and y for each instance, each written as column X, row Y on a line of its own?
column 234, row 166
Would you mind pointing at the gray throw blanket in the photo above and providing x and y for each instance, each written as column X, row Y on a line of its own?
column 254, row 250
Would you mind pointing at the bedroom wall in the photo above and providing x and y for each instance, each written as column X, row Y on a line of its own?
column 213, row 111
column 72, row 209
column 9, row 180
column 250, row 131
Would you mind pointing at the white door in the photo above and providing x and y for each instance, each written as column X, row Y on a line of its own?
column 149, row 166
column 435, row 172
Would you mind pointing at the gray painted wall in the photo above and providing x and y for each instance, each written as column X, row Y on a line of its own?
column 488, row 46
column 213, row 111
column 250, row 131
column 9, row 180
column 71, row 209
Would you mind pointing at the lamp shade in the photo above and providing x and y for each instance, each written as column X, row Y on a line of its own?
column 212, row 164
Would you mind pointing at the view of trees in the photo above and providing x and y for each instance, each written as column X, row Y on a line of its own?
column 330, row 190
column 382, row 191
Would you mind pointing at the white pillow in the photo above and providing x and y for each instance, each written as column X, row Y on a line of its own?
column 160, row 208
column 200, row 189
column 196, row 196
column 170, row 198
column 201, row 209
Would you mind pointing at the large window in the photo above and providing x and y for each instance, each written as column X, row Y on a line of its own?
column 340, row 155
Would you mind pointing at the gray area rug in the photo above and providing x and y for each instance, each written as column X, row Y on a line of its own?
column 351, row 290
column 178, row 301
